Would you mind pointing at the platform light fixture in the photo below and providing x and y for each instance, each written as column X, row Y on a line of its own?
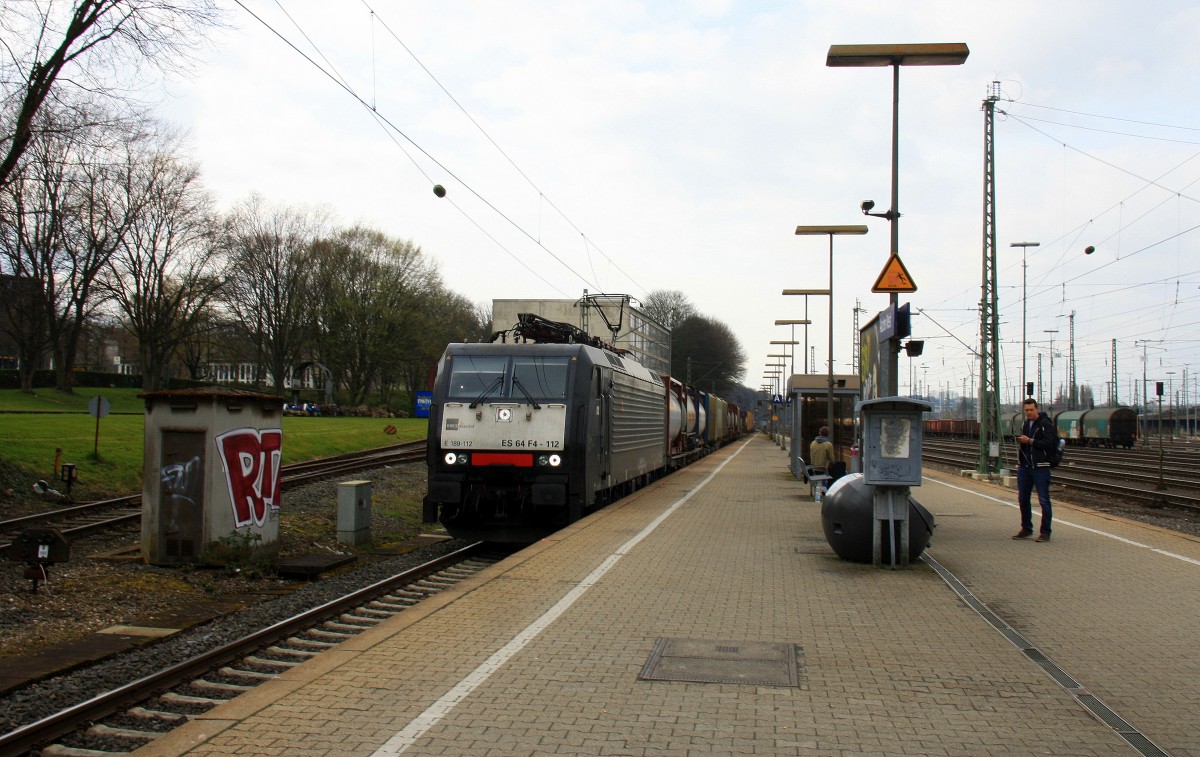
column 831, row 232
column 794, row 322
column 791, row 349
column 871, row 56
column 781, row 365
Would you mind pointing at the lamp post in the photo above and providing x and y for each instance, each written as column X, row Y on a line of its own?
column 1024, row 277
column 859, row 56
column 800, row 322
column 806, row 293
column 791, row 348
column 775, row 371
column 811, row 363
column 794, row 323
column 772, row 376
column 831, row 232
column 781, row 365
column 792, row 368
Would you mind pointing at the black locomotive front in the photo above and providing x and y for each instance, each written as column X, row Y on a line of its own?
column 526, row 438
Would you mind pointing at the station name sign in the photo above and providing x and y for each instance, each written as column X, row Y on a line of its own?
column 894, row 322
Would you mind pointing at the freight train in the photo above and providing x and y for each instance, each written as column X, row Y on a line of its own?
column 1098, row 427
column 529, row 436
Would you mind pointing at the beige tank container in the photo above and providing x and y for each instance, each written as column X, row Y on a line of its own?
column 211, row 475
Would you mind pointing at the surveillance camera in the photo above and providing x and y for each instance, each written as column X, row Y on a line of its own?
column 1088, row 250
column 867, row 206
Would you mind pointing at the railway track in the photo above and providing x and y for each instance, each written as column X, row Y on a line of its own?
column 155, row 701
column 126, row 512
column 1127, row 475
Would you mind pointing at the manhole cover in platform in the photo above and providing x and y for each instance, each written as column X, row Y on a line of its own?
column 757, row 663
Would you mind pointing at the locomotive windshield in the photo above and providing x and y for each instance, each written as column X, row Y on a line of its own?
column 471, row 375
column 490, row 377
column 544, row 378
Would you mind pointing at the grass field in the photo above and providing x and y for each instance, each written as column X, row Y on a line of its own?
column 34, row 428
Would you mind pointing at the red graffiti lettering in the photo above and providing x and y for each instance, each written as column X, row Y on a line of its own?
column 251, row 458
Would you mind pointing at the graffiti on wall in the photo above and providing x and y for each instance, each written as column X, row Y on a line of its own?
column 251, row 459
column 181, row 485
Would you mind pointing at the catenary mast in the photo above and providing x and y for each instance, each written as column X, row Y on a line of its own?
column 989, row 316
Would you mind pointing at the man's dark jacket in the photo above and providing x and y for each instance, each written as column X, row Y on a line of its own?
column 1044, row 438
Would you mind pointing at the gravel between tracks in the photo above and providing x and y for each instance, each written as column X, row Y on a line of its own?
column 87, row 595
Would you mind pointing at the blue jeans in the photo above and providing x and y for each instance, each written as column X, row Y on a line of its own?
column 1027, row 479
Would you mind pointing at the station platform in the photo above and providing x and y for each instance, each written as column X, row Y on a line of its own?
column 707, row 615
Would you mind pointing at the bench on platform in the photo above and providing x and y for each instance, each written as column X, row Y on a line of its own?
column 816, row 478
column 822, row 478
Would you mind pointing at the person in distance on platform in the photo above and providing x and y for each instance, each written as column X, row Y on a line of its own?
column 1038, row 437
column 820, row 456
column 820, row 452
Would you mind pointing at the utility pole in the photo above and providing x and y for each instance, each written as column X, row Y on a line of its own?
column 1050, row 402
column 854, row 359
column 1073, row 391
column 1039, row 379
column 1112, row 400
column 989, row 311
column 1024, row 308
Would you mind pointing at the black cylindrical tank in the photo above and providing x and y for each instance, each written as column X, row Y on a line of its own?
column 848, row 513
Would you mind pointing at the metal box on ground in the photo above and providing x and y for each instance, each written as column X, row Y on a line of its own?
column 891, row 445
column 354, row 512
column 891, row 440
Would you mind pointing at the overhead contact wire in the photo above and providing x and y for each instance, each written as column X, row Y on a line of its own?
column 384, row 120
column 499, row 149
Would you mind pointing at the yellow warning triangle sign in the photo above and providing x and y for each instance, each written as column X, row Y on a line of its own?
column 894, row 278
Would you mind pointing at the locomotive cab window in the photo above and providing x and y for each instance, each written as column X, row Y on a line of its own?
column 473, row 375
column 544, row 378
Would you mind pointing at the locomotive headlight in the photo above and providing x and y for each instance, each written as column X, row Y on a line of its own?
column 555, row 461
column 455, row 458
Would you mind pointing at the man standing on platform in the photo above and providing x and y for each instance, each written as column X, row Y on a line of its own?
column 1038, row 437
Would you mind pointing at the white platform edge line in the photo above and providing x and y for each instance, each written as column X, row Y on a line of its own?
column 419, row 726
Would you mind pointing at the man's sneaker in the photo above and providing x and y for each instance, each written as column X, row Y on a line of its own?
column 1043, row 537
column 1024, row 533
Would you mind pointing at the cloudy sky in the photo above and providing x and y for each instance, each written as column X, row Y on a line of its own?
column 625, row 147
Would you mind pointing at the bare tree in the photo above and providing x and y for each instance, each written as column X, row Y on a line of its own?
column 481, row 318
column 268, row 285
column 444, row 318
column 31, row 245
column 369, row 289
column 669, row 307
column 94, row 47
column 107, row 199
column 203, row 344
column 164, row 275
column 67, row 209
column 707, row 354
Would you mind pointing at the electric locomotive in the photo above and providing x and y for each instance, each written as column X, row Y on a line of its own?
column 525, row 438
